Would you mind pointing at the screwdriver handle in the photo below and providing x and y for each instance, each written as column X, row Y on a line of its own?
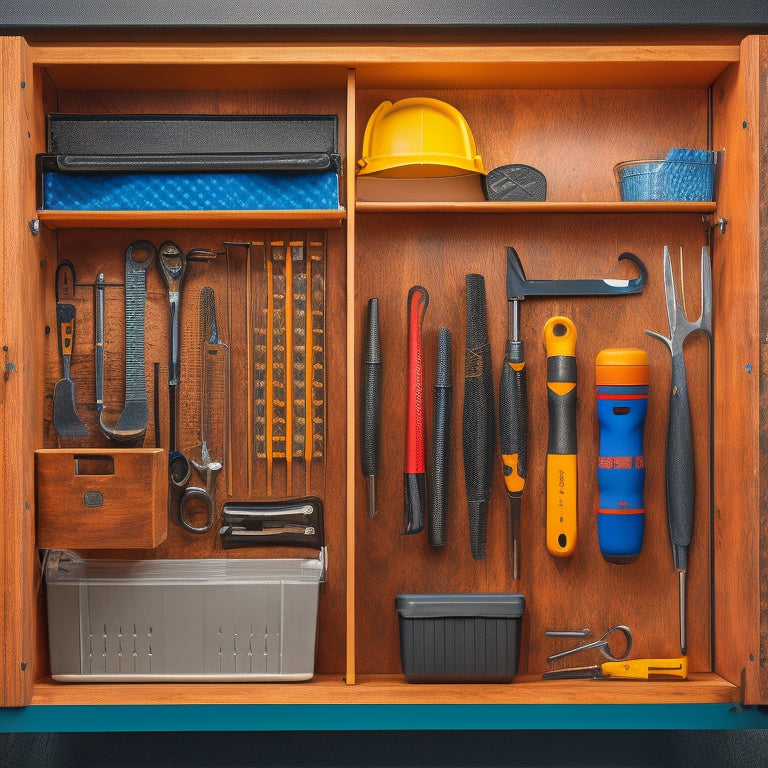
column 513, row 417
column 680, row 467
column 560, row 343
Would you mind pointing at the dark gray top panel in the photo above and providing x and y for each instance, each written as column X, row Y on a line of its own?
column 40, row 14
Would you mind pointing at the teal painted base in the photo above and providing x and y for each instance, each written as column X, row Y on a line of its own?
column 378, row 717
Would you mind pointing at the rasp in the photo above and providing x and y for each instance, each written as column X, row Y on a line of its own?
column 478, row 427
column 133, row 421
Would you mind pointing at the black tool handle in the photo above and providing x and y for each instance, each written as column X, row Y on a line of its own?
column 370, row 394
column 680, row 467
column 65, row 319
column 562, row 439
column 478, row 427
column 441, row 441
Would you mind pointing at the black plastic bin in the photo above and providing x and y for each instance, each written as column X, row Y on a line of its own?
column 460, row 637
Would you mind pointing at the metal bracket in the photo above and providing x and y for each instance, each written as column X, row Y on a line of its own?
column 8, row 369
column 721, row 223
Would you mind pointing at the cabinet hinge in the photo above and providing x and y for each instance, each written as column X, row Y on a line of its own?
column 8, row 366
column 721, row 223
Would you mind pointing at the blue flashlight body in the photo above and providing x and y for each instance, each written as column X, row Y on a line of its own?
column 621, row 411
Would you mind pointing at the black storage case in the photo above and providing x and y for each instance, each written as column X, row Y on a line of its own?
column 469, row 638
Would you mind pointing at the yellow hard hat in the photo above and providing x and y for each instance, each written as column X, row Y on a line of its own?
column 418, row 137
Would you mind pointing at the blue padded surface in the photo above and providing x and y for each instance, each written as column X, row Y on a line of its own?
column 190, row 191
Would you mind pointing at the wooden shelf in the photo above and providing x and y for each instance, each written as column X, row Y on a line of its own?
column 701, row 687
column 703, row 208
column 318, row 219
column 125, row 65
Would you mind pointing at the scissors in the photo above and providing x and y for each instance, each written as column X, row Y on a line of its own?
column 601, row 645
column 186, row 499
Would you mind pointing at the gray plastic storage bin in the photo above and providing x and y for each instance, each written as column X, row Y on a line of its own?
column 150, row 620
column 460, row 637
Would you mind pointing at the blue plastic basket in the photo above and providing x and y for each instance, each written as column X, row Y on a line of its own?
column 190, row 191
column 670, row 180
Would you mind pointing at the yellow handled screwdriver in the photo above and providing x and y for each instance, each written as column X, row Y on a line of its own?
column 560, row 343
column 632, row 669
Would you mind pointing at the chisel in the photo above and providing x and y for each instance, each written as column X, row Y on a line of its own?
column 415, row 448
column 560, row 342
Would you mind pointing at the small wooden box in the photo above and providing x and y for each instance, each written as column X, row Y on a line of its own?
column 101, row 499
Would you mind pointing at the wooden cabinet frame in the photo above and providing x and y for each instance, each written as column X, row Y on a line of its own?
column 725, row 84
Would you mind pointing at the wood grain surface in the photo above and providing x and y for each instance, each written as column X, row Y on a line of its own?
column 571, row 111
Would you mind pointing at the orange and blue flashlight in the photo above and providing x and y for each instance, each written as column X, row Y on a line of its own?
column 622, row 404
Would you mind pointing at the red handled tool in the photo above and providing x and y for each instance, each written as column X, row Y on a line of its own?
column 415, row 445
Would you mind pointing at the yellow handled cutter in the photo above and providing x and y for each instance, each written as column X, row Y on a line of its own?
column 560, row 343
column 632, row 669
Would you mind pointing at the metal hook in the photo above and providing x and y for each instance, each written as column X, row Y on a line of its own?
column 65, row 288
column 601, row 645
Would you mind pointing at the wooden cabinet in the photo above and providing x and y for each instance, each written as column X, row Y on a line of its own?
column 572, row 111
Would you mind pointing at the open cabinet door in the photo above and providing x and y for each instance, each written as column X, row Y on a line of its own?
column 740, row 107
column 22, row 272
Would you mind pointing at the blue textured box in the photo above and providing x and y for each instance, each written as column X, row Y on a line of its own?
column 667, row 180
column 249, row 191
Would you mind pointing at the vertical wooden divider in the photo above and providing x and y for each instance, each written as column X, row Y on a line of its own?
column 351, row 369
column 22, row 273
